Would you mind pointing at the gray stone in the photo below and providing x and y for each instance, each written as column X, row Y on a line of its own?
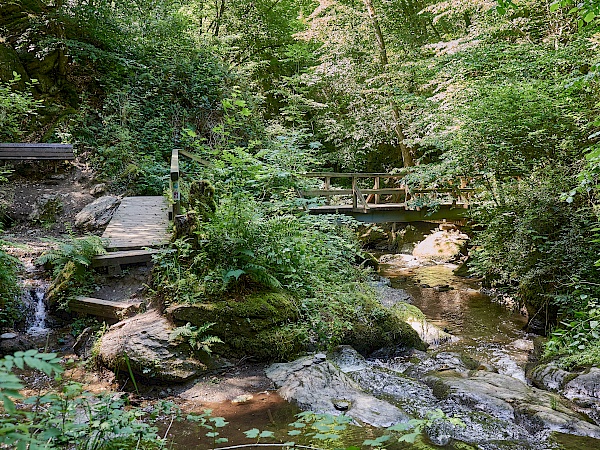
column 549, row 377
column 509, row 399
column 585, row 389
column 98, row 189
column 441, row 246
column 8, row 335
column 317, row 387
column 142, row 343
column 98, row 213
column 46, row 208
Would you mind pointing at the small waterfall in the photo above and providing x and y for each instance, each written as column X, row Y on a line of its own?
column 37, row 324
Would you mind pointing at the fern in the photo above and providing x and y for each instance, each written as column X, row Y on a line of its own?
column 195, row 336
column 80, row 251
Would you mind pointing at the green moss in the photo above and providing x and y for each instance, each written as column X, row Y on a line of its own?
column 381, row 328
column 261, row 324
column 405, row 311
column 589, row 357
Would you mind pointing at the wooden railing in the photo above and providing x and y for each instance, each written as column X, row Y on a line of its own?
column 401, row 195
column 174, row 185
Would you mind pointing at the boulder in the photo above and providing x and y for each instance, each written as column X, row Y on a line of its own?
column 585, row 389
column 142, row 344
column 549, row 377
column 98, row 189
column 442, row 246
column 508, row 399
column 46, row 208
column 321, row 387
column 98, row 213
column 261, row 324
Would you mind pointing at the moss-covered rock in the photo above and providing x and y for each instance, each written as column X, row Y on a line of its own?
column 381, row 328
column 257, row 325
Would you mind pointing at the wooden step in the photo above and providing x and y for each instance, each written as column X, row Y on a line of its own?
column 104, row 308
column 114, row 260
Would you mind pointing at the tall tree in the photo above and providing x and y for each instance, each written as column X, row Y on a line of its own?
column 405, row 152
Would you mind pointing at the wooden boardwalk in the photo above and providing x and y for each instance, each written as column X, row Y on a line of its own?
column 138, row 222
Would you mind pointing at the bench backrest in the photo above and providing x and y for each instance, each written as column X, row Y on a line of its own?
column 32, row 152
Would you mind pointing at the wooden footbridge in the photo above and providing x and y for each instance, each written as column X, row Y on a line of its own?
column 388, row 200
column 140, row 225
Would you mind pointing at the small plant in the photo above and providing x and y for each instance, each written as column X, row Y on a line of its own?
column 70, row 261
column 415, row 427
column 196, row 336
column 9, row 287
column 79, row 251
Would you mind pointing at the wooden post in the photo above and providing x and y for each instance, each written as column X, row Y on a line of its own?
column 174, row 185
column 376, row 186
column 354, row 195
column 327, row 187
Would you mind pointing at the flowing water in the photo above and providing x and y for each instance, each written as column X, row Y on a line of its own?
column 34, row 293
column 486, row 331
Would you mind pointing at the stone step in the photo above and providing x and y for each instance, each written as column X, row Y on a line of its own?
column 104, row 308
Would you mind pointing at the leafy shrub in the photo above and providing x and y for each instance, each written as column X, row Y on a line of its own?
column 9, row 289
column 241, row 245
column 16, row 107
column 70, row 260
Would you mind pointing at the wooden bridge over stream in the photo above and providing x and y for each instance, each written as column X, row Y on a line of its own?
column 140, row 224
column 388, row 200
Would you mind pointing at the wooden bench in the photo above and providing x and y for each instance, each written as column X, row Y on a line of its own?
column 36, row 152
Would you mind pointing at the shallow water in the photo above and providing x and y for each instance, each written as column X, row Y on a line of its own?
column 487, row 331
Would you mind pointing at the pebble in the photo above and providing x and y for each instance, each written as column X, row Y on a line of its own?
column 244, row 398
column 341, row 405
column 319, row 358
column 8, row 335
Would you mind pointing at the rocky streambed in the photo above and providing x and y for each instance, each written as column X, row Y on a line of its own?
column 474, row 369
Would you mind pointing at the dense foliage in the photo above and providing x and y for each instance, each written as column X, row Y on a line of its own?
column 502, row 93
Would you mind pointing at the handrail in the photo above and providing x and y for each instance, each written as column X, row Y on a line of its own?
column 349, row 175
column 366, row 199
column 174, row 185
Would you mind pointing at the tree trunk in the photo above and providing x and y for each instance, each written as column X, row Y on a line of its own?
column 406, row 153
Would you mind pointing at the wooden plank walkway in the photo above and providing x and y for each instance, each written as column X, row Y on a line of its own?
column 138, row 222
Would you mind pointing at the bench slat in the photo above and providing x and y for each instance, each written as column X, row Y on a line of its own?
column 34, row 151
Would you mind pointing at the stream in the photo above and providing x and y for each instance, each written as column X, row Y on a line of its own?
column 474, row 332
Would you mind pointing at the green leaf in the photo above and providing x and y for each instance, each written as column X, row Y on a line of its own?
column 589, row 16
column 266, row 434
column 252, row 434
column 554, row 6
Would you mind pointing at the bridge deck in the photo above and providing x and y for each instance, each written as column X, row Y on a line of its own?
column 394, row 212
column 138, row 222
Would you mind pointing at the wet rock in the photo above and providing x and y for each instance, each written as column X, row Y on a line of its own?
column 8, row 335
column 319, row 357
column 430, row 333
column 19, row 343
column 342, row 405
column 142, row 343
column 508, row 399
column 98, row 213
column 442, row 246
column 549, row 377
column 46, row 208
column 317, row 387
column 585, row 389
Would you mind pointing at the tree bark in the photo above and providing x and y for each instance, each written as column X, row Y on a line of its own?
column 405, row 151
